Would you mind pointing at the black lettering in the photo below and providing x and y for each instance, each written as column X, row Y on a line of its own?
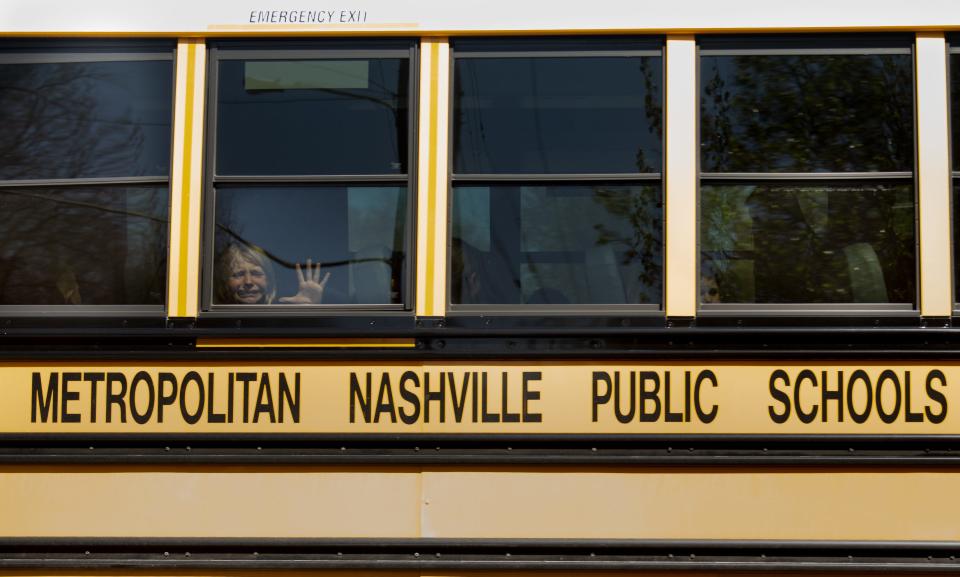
column 188, row 417
column 162, row 399
column 93, row 378
column 777, row 394
column 141, row 377
column 668, row 416
column 476, row 387
column 244, row 378
column 230, row 382
column 385, row 400
column 653, row 395
column 458, row 407
column 44, row 403
column 66, row 396
column 412, row 398
column 859, row 375
column 705, row 417
column 357, row 396
column 805, row 375
column 911, row 416
column 487, row 416
column 885, row 376
column 605, row 397
column 212, row 415
column 116, row 398
column 508, row 417
column 529, row 395
column 435, row 396
column 292, row 401
column 264, row 400
column 624, row 417
column 936, row 396
column 826, row 395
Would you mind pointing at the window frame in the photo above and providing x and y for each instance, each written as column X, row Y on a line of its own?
column 792, row 45
column 305, row 49
column 953, row 49
column 554, row 47
column 46, row 51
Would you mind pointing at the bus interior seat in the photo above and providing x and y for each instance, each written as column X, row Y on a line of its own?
column 604, row 283
column 370, row 275
column 866, row 274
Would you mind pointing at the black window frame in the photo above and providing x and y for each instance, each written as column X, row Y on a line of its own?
column 341, row 316
column 46, row 50
column 816, row 44
column 555, row 47
column 953, row 50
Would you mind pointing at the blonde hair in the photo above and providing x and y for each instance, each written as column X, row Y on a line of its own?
column 225, row 263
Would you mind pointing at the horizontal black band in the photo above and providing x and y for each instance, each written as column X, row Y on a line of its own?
column 480, row 554
column 909, row 451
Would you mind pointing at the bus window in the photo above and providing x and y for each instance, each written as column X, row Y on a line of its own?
column 807, row 154
column 557, row 195
column 84, row 173
column 310, row 158
column 954, row 62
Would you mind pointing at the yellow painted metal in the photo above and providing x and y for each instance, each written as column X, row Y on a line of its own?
column 432, row 177
column 601, row 397
column 680, row 177
column 707, row 503
column 186, row 180
column 500, row 503
column 933, row 176
column 208, row 502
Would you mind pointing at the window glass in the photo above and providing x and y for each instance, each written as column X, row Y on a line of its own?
column 955, row 109
column 807, row 192
column 84, row 172
column 557, row 244
column 352, row 236
column 310, row 201
column 955, row 129
column 83, row 245
column 806, row 113
column 807, row 243
column 556, row 195
column 85, row 119
column 542, row 115
column 312, row 116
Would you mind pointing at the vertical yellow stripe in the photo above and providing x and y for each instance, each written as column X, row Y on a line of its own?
column 432, row 181
column 185, row 181
column 680, row 177
column 423, row 182
column 441, row 179
column 933, row 176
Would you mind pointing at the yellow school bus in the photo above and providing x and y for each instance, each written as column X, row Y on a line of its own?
column 431, row 288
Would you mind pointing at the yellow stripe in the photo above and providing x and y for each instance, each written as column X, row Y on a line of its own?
column 432, row 180
column 185, row 181
column 308, row 343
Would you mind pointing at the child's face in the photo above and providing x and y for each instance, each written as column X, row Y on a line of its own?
column 247, row 282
